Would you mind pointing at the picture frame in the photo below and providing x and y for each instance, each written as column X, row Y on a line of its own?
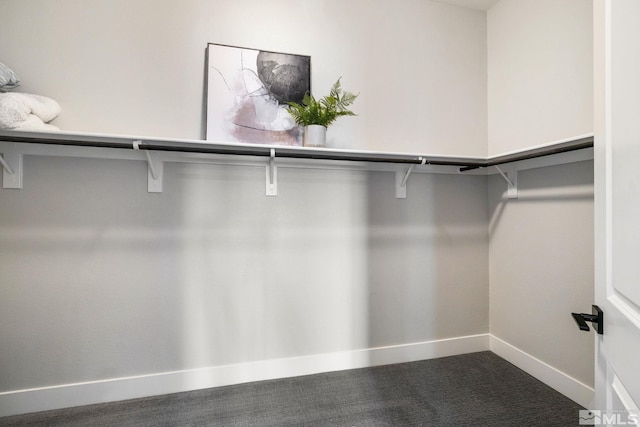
column 247, row 91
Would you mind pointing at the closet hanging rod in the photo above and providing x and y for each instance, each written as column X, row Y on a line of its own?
column 240, row 150
column 319, row 154
column 130, row 143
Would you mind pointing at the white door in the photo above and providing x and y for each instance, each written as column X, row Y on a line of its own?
column 617, row 193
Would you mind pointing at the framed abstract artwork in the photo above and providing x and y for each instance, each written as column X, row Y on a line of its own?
column 247, row 91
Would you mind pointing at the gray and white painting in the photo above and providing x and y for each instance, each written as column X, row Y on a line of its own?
column 247, row 91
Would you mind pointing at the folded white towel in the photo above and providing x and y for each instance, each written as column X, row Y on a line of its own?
column 26, row 111
column 8, row 79
column 34, row 122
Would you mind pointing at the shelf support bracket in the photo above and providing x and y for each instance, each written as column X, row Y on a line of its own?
column 11, row 161
column 6, row 166
column 155, row 171
column 402, row 177
column 512, row 183
column 272, row 175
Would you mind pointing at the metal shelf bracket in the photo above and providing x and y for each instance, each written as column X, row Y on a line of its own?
column 11, row 162
column 402, row 177
column 155, row 171
column 6, row 166
column 511, row 176
column 272, row 175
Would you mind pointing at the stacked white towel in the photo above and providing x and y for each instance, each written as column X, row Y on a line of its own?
column 8, row 79
column 27, row 112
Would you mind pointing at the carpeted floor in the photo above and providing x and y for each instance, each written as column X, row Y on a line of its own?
column 478, row 389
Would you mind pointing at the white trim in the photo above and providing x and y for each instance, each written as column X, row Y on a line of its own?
column 582, row 155
column 68, row 395
column 544, row 145
column 558, row 380
column 623, row 395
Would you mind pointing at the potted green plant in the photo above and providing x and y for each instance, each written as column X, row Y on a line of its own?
column 317, row 114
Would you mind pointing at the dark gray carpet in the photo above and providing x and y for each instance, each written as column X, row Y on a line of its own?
column 478, row 389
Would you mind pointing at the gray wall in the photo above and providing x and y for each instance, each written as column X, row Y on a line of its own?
column 540, row 90
column 101, row 279
column 137, row 67
column 540, row 72
column 541, row 265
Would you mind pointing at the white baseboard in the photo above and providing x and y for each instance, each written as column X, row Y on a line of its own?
column 68, row 395
column 559, row 381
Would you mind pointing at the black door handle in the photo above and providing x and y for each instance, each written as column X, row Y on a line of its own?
column 582, row 324
column 596, row 317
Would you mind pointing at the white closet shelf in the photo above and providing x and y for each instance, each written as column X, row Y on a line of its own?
column 206, row 147
column 13, row 143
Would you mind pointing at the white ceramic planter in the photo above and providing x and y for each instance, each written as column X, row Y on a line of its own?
column 315, row 136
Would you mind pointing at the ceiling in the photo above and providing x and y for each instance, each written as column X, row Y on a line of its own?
column 472, row 4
